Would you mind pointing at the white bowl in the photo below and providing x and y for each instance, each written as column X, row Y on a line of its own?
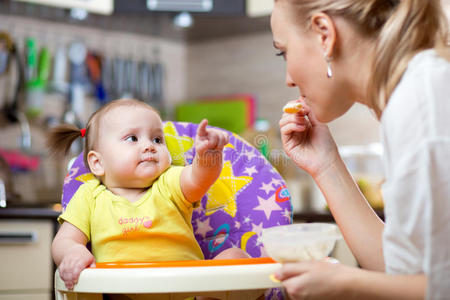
column 300, row 242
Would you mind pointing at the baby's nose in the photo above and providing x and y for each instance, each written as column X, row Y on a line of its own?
column 149, row 146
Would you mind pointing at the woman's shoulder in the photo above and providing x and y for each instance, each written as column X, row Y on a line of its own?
column 432, row 64
column 419, row 107
column 424, row 82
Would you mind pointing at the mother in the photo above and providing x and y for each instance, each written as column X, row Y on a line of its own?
column 391, row 56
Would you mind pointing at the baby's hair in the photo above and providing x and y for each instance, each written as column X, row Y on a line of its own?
column 399, row 28
column 61, row 137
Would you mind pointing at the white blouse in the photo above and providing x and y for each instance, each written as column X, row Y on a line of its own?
column 416, row 136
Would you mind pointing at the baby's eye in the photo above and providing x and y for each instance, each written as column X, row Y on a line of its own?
column 131, row 138
column 158, row 140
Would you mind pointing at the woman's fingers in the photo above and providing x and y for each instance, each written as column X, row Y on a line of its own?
column 292, row 128
column 289, row 270
column 295, row 118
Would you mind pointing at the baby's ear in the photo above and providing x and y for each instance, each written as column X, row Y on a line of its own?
column 94, row 160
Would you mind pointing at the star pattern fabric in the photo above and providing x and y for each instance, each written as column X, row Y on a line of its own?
column 203, row 227
column 267, row 187
column 177, row 144
column 85, row 177
column 250, row 171
column 223, row 193
column 267, row 206
column 70, row 175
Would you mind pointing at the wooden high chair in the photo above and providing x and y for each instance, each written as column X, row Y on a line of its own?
column 249, row 195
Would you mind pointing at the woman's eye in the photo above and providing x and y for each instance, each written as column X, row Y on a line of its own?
column 282, row 54
column 132, row 138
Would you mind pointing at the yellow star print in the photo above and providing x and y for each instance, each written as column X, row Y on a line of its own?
column 222, row 194
column 85, row 177
column 176, row 144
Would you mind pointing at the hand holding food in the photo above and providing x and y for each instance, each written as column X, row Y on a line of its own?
column 292, row 107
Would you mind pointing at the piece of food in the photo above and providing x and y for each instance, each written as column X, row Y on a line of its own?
column 292, row 108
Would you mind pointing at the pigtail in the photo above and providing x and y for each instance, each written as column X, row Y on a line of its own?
column 415, row 25
column 61, row 137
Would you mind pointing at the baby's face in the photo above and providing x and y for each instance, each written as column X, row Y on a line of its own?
column 132, row 146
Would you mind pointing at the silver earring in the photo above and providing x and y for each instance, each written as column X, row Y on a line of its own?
column 329, row 71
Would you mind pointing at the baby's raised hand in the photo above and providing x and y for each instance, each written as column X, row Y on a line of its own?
column 209, row 140
column 75, row 260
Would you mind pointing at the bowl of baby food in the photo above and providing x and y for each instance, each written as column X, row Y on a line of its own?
column 300, row 242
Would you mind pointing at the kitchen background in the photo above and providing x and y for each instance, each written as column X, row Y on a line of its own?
column 74, row 60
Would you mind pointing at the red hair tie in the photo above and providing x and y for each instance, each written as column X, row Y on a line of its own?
column 83, row 132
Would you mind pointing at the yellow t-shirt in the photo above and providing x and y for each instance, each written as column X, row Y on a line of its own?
column 157, row 227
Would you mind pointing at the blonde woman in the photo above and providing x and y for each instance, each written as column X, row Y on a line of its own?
column 391, row 56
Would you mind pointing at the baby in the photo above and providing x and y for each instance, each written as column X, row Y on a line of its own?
column 138, row 207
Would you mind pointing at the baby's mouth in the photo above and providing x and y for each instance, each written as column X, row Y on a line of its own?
column 149, row 158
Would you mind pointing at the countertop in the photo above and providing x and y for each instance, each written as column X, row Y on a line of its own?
column 30, row 212
column 48, row 211
column 322, row 216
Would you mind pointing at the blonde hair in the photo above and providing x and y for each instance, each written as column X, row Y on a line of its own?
column 399, row 28
column 61, row 137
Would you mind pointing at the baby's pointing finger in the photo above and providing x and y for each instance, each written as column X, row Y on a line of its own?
column 201, row 130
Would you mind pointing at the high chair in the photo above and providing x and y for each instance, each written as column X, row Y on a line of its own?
column 249, row 195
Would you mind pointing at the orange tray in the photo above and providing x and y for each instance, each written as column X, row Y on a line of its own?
column 185, row 263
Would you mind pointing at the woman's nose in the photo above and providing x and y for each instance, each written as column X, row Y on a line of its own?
column 289, row 81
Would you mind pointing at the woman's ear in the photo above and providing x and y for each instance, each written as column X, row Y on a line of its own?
column 94, row 160
column 324, row 27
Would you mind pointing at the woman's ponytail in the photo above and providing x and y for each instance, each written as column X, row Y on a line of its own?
column 415, row 25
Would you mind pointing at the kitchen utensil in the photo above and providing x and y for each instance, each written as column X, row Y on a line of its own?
column 94, row 66
column 6, row 45
column 107, row 77
column 59, row 82
column 10, row 108
column 143, row 81
column 119, row 77
column 77, row 57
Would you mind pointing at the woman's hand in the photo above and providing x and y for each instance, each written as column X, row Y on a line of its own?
column 307, row 141
column 76, row 259
column 315, row 280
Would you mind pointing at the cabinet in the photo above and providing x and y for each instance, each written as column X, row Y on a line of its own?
column 259, row 8
column 26, row 266
column 96, row 6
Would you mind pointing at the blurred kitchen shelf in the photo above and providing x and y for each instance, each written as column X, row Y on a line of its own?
column 132, row 16
column 321, row 216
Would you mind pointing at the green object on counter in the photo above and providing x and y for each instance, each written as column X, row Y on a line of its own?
column 31, row 59
column 230, row 114
column 37, row 74
column 34, row 98
column 44, row 66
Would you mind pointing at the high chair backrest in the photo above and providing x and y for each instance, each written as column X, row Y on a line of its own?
column 249, row 195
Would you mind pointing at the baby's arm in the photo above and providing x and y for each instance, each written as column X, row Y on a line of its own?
column 70, row 253
column 197, row 178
